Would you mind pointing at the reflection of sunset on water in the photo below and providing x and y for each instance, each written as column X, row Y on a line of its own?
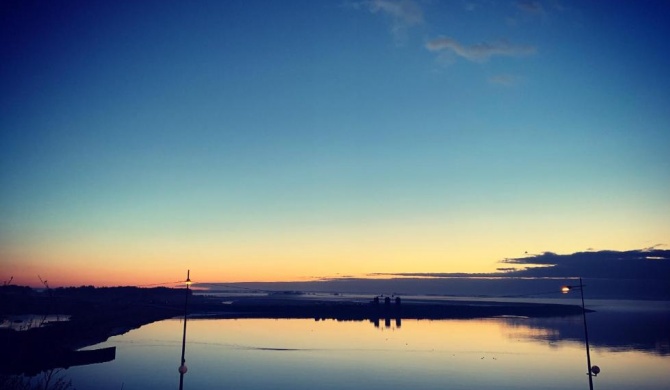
column 478, row 353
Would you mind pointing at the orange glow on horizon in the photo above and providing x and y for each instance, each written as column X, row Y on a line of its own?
column 287, row 257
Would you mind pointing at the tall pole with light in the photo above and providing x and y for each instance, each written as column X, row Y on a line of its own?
column 591, row 370
column 182, row 367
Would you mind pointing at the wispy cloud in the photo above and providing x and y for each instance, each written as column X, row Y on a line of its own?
column 480, row 52
column 404, row 14
column 530, row 6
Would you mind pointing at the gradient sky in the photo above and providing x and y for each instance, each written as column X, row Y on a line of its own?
column 284, row 140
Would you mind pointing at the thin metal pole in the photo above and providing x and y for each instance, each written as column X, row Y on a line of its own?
column 586, row 338
column 183, row 340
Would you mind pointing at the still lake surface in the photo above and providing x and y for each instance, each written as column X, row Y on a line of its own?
column 630, row 343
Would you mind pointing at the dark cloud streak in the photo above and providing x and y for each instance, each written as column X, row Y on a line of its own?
column 636, row 274
column 642, row 264
column 647, row 264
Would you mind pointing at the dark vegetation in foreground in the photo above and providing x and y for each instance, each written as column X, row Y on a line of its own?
column 52, row 379
column 99, row 313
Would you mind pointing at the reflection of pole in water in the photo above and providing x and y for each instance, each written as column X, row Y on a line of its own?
column 182, row 367
column 592, row 370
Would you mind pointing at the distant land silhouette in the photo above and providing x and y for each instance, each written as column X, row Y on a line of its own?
column 637, row 274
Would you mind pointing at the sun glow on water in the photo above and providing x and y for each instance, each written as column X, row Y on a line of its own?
column 296, row 354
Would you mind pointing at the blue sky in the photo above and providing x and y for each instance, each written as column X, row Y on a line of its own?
column 262, row 140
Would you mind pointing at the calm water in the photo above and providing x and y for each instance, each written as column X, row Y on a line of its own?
column 504, row 353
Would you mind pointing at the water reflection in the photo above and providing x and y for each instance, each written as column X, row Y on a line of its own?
column 387, row 322
column 499, row 353
column 612, row 330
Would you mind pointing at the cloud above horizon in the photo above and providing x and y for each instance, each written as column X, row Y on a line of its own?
column 480, row 52
column 635, row 264
column 640, row 264
column 404, row 14
column 407, row 12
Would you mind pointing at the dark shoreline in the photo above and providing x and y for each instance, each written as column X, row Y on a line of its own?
column 98, row 314
column 361, row 311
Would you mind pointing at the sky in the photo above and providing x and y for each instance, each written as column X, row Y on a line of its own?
column 291, row 140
